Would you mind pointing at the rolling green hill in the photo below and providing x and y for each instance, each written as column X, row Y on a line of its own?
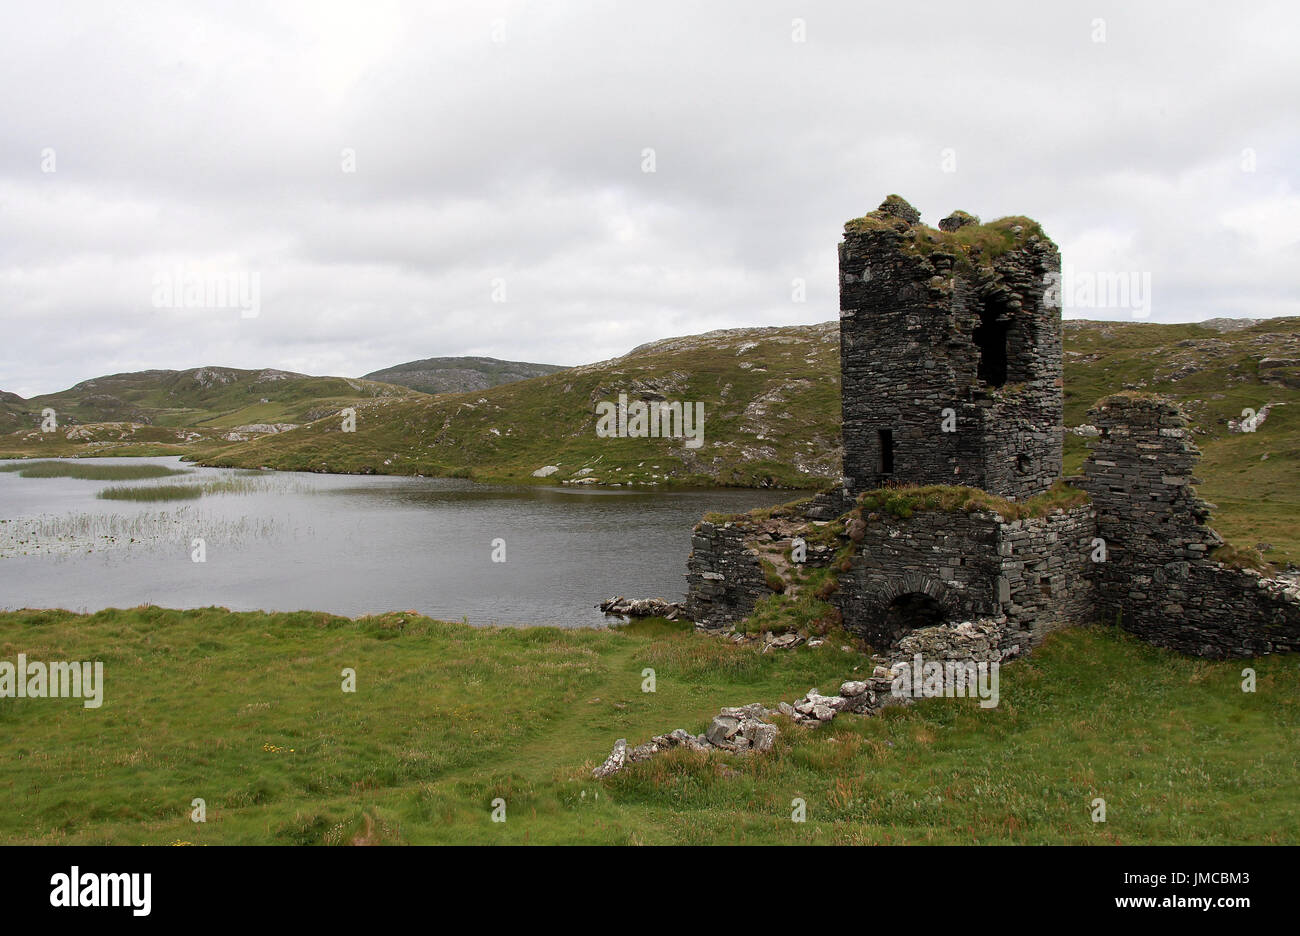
column 771, row 399
column 217, row 397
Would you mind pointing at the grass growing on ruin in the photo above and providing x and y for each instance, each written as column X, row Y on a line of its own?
column 91, row 472
column 903, row 500
column 1243, row 557
column 804, row 612
column 970, row 246
column 245, row 710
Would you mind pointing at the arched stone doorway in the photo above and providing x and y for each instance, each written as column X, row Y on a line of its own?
column 898, row 605
column 909, row 611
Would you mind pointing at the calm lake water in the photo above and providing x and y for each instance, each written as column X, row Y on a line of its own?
column 286, row 541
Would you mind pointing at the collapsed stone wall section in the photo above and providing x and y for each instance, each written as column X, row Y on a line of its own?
column 747, row 730
column 724, row 578
column 1046, row 565
column 1159, row 579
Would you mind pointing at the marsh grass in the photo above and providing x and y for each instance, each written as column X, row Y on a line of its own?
column 154, row 492
column 91, row 472
column 61, row 535
column 243, row 483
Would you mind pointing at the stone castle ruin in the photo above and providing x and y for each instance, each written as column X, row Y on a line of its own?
column 951, row 360
column 952, row 506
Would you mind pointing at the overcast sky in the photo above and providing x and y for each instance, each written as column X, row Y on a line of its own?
column 501, row 148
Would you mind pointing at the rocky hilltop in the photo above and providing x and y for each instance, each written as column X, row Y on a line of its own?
column 459, row 374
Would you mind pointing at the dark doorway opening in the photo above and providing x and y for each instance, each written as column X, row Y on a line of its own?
column 886, row 451
column 908, row 612
column 991, row 338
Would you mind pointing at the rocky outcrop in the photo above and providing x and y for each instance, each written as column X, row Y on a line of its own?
column 641, row 607
column 253, row 430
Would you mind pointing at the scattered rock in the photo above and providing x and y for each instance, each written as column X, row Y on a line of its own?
column 957, row 220
column 616, row 761
column 641, row 607
column 733, row 729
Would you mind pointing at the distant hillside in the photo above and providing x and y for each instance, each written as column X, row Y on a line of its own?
column 459, row 374
column 204, row 405
column 771, row 398
column 203, row 396
column 12, row 408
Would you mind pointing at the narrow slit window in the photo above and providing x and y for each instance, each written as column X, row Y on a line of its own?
column 886, row 451
column 991, row 338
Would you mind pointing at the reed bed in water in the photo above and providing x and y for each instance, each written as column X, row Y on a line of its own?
column 91, row 472
column 83, row 532
column 172, row 492
column 154, row 492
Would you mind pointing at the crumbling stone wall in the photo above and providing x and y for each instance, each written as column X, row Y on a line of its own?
column 951, row 558
column 1158, row 579
column 723, row 576
column 1035, row 571
column 1046, row 563
column 915, row 312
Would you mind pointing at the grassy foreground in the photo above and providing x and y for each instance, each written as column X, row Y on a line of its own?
column 246, row 711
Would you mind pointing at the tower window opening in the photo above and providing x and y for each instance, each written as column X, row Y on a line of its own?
column 991, row 338
column 886, row 451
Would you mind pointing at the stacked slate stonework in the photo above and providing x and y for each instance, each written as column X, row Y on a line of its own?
column 1158, row 578
column 960, row 320
column 950, row 354
column 723, row 576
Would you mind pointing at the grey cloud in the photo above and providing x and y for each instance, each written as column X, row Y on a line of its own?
column 210, row 136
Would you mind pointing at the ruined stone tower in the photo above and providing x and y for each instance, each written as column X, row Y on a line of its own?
column 950, row 357
column 953, row 328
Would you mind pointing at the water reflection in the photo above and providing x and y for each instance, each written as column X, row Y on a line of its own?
column 352, row 545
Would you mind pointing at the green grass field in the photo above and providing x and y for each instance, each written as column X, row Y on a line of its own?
column 246, row 711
